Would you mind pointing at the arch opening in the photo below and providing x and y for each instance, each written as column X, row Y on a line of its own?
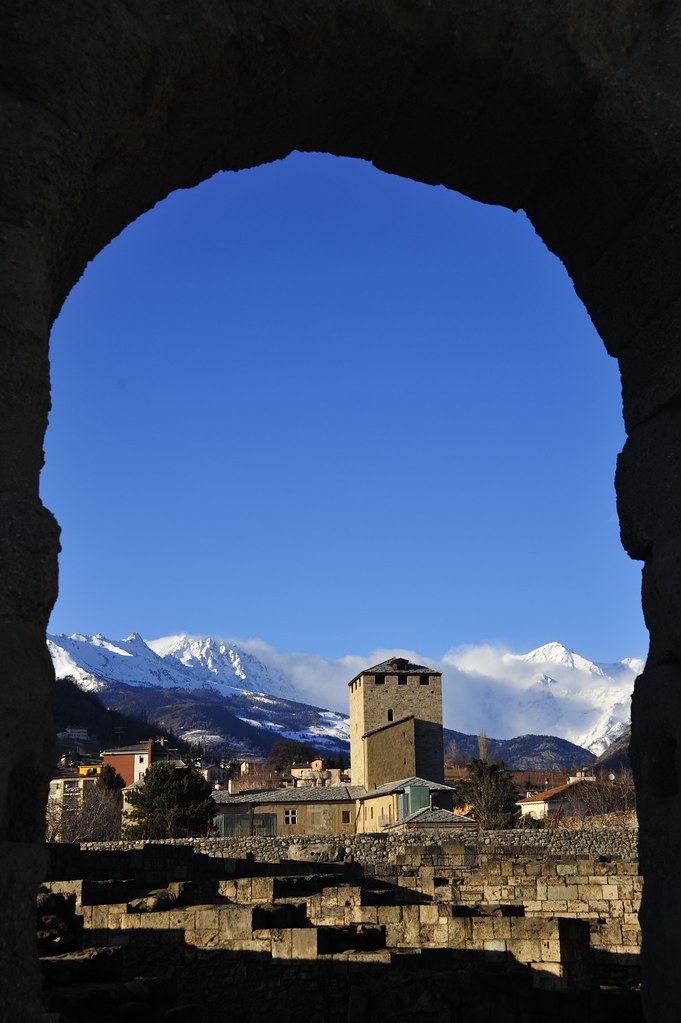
column 327, row 333
column 568, row 114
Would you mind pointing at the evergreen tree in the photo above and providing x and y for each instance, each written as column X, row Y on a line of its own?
column 172, row 802
column 285, row 751
column 490, row 792
column 110, row 779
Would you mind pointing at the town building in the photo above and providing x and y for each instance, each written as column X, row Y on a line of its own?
column 387, row 804
column 396, row 723
column 397, row 767
column 67, row 790
column 308, row 810
column 569, row 798
column 74, row 733
column 132, row 761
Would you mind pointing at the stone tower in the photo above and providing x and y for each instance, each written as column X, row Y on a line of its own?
column 396, row 723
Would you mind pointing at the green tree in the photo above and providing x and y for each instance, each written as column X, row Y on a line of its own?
column 285, row 751
column 109, row 779
column 491, row 793
column 172, row 802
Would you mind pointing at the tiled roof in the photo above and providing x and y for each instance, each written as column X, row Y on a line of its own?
column 398, row 786
column 436, row 817
column 329, row 794
column 405, row 667
column 547, row 794
column 157, row 749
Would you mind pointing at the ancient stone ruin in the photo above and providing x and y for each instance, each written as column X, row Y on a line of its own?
column 418, row 929
column 569, row 110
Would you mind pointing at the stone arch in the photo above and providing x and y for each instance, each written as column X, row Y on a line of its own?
column 566, row 110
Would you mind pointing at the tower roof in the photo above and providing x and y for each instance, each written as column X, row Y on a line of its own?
column 396, row 665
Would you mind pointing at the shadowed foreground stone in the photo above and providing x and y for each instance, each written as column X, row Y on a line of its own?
column 569, row 110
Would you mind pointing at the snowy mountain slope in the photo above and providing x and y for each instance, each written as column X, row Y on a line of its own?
column 93, row 661
column 548, row 691
column 551, row 690
column 178, row 662
column 246, row 722
column 223, row 663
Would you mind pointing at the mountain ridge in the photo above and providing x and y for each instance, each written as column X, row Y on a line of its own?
column 548, row 691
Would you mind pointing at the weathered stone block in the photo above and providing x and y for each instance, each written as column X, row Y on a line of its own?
column 227, row 889
column 389, row 914
column 156, row 921
column 525, row 950
column 207, row 917
column 551, row 951
column 243, row 890
column 429, row 913
column 234, row 922
column 561, row 893
column 360, row 914
column 182, row 919
column 262, row 889
column 549, row 976
column 304, row 943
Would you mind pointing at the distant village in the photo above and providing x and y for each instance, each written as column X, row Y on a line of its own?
column 400, row 778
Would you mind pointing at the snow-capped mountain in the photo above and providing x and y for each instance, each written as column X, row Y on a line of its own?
column 223, row 664
column 548, row 691
column 205, row 690
column 551, row 690
column 175, row 662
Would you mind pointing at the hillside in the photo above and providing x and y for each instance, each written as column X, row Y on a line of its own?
column 616, row 756
column 105, row 726
column 549, row 691
column 523, row 753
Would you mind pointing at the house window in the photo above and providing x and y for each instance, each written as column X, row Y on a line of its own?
column 345, row 816
column 390, row 714
column 290, row 816
column 141, row 760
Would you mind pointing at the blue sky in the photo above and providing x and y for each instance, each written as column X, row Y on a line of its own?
column 337, row 410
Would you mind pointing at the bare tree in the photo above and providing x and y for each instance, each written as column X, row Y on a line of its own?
column 453, row 757
column 96, row 819
column 611, row 799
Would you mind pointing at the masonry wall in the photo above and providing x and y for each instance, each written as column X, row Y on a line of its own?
column 368, row 849
column 590, row 875
column 311, row 818
column 370, row 703
column 390, row 753
column 424, row 701
column 558, row 918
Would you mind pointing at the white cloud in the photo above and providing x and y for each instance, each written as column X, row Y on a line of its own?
column 548, row 691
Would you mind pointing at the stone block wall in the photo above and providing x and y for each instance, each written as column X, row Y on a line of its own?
column 335, row 922
column 548, row 874
column 376, row 848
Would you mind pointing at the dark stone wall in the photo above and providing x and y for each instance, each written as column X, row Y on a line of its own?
column 569, row 110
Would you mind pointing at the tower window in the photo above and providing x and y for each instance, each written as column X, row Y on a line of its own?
column 390, row 714
column 380, row 680
column 424, row 680
column 401, row 680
